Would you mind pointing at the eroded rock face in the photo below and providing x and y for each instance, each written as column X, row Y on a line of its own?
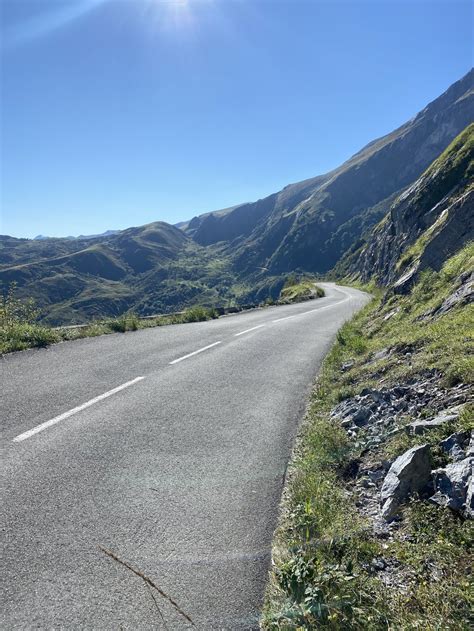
column 410, row 473
column 462, row 295
column 439, row 205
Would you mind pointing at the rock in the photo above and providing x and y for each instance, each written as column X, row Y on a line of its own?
column 401, row 391
column 405, row 282
column 400, row 406
column 470, row 449
column 454, row 445
column 452, row 485
column 377, row 396
column 382, row 354
column 362, row 416
column 347, row 366
column 376, row 476
column 346, row 423
column 464, row 295
column 391, row 314
column 378, row 564
column 469, row 509
column 420, row 427
column 410, row 473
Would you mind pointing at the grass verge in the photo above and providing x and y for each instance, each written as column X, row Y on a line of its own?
column 19, row 331
column 325, row 552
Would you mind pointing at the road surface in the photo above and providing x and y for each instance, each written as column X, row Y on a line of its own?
column 164, row 448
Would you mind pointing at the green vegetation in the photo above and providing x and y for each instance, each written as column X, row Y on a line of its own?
column 324, row 549
column 19, row 329
column 298, row 289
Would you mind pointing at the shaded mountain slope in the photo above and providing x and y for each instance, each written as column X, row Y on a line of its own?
column 426, row 225
column 309, row 225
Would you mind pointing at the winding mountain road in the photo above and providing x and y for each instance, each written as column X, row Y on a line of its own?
column 166, row 449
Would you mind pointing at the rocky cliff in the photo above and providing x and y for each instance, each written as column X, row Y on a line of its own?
column 428, row 223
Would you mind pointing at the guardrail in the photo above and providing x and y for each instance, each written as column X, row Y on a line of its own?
column 221, row 311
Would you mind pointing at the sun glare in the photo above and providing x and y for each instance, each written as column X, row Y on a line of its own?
column 173, row 14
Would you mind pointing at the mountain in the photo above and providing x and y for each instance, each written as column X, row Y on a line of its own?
column 243, row 253
column 107, row 233
column 309, row 225
column 426, row 225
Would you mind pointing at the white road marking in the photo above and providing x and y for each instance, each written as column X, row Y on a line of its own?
column 348, row 297
column 79, row 408
column 248, row 330
column 288, row 317
column 200, row 350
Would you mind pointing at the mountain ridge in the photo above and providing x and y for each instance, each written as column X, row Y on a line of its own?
column 242, row 253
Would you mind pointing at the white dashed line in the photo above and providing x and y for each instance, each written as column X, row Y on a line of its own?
column 180, row 359
column 289, row 317
column 336, row 304
column 79, row 408
column 248, row 330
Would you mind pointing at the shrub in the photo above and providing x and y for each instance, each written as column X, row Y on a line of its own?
column 18, row 328
column 127, row 322
column 15, row 311
column 199, row 314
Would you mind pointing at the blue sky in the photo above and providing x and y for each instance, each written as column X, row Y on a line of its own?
column 118, row 113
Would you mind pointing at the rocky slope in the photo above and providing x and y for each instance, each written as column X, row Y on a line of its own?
column 377, row 527
column 428, row 223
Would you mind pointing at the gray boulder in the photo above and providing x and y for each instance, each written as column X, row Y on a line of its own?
column 410, row 473
column 470, row 449
column 455, row 444
column 453, row 486
column 469, row 508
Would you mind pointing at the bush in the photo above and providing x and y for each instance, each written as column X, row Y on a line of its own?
column 18, row 328
column 14, row 311
column 199, row 314
column 20, row 336
column 127, row 322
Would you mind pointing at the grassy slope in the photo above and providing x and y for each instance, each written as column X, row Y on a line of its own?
column 299, row 290
column 324, row 548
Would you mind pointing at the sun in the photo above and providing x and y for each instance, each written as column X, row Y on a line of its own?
column 180, row 17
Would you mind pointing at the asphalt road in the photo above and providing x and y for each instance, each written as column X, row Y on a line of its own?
column 178, row 474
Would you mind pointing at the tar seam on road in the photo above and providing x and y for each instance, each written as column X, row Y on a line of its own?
column 200, row 350
column 248, row 330
column 79, row 408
